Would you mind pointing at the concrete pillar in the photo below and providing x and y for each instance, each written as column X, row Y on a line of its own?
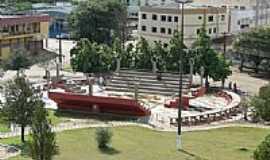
column 118, row 65
column 154, row 66
column 202, row 74
column 191, row 64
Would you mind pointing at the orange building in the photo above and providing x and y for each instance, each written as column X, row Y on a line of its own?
column 22, row 32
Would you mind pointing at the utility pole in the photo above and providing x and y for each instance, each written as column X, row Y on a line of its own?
column 179, row 121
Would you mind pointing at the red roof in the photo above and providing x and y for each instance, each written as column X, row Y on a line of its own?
column 21, row 19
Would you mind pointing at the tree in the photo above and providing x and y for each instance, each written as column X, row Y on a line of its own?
column 215, row 66
column 18, row 61
column 177, row 47
column 42, row 142
column 160, row 55
column 253, row 45
column 20, row 103
column 90, row 57
column 98, row 20
column 263, row 150
column 261, row 103
column 144, row 54
column 103, row 137
column 222, row 69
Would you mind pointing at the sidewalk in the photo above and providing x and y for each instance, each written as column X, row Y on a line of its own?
column 82, row 125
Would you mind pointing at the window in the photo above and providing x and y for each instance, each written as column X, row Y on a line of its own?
column 175, row 31
column 163, row 18
column 144, row 16
column 143, row 28
column 210, row 31
column 169, row 18
column 223, row 17
column 154, row 29
column 238, row 22
column 169, row 31
column 175, row 19
column 215, row 30
column 210, row 18
column 162, row 30
column 165, row 45
column 200, row 17
column 198, row 31
column 154, row 17
column 242, row 8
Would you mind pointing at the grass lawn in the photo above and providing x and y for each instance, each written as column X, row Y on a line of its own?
column 4, row 127
column 134, row 143
column 54, row 118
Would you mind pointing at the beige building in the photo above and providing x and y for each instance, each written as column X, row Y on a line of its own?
column 158, row 23
column 22, row 32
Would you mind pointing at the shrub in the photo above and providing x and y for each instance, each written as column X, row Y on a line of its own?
column 261, row 103
column 263, row 150
column 103, row 137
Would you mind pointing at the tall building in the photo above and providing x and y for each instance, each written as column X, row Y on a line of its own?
column 158, row 23
column 22, row 32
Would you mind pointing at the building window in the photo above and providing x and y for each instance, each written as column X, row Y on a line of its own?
column 210, row 18
column 238, row 22
column 198, row 31
column 200, row 17
column 175, row 31
column 144, row 16
column 162, row 30
column 163, row 18
column 154, row 29
column 165, row 45
column 223, row 17
column 242, row 8
column 169, row 31
column 143, row 28
column 169, row 18
column 210, row 31
column 215, row 30
column 154, row 17
column 175, row 19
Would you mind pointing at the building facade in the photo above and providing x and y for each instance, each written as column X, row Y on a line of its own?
column 59, row 14
column 22, row 32
column 160, row 23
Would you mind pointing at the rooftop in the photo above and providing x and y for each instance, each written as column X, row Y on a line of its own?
column 20, row 19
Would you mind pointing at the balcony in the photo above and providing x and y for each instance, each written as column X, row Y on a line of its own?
column 10, row 35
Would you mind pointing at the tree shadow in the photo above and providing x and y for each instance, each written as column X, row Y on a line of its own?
column 25, row 150
column 109, row 151
column 192, row 155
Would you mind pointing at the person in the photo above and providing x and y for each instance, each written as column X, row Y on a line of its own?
column 101, row 81
column 235, row 87
column 230, row 85
column 159, row 76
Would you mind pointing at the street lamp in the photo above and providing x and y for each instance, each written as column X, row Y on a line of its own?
column 178, row 138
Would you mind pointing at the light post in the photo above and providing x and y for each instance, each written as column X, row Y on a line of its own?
column 179, row 121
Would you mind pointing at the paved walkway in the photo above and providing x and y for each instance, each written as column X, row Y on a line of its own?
column 82, row 125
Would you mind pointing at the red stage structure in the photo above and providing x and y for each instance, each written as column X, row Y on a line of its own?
column 98, row 104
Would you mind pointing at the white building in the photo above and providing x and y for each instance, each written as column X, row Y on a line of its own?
column 158, row 23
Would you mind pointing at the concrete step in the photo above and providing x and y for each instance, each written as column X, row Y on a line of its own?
column 148, row 83
column 175, row 89
column 142, row 77
column 142, row 91
column 149, row 73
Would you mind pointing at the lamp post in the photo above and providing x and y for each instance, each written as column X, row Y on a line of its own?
column 179, row 130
